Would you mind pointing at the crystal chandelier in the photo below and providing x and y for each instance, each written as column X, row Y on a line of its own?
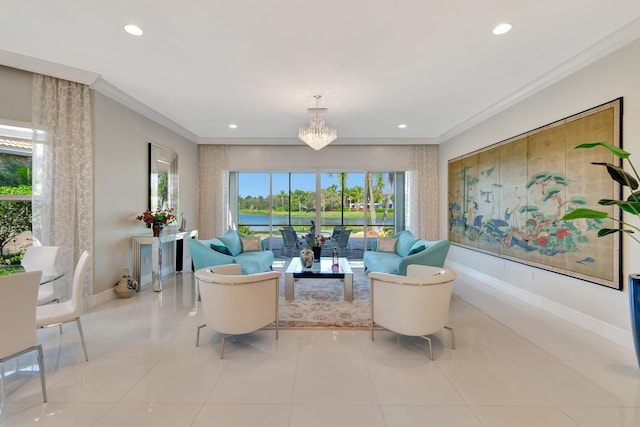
column 317, row 135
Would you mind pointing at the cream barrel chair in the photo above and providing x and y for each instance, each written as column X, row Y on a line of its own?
column 234, row 304
column 415, row 305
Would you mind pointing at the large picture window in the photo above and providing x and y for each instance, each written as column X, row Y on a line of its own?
column 319, row 202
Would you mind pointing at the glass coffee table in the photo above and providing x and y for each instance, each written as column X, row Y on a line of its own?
column 320, row 270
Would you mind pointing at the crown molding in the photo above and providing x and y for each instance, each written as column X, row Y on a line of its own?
column 599, row 50
column 107, row 89
column 40, row 66
column 339, row 141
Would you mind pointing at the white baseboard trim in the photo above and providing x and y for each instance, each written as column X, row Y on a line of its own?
column 103, row 297
column 493, row 285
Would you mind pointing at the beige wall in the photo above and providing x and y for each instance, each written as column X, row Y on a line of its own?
column 122, row 183
column 614, row 76
column 15, row 95
column 121, row 139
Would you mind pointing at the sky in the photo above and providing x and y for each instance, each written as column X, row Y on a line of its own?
column 257, row 184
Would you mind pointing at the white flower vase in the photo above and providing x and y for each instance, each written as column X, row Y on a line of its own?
column 306, row 258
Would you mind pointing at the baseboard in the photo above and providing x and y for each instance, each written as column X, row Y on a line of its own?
column 493, row 285
column 103, row 297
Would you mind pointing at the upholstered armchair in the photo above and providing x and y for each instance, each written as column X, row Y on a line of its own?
column 235, row 304
column 416, row 304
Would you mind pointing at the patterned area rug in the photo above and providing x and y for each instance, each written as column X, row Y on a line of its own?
column 320, row 303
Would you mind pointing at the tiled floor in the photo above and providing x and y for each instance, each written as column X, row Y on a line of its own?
column 144, row 370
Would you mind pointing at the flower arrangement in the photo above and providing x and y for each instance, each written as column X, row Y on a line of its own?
column 164, row 216
column 317, row 241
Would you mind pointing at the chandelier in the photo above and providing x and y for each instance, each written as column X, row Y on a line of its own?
column 318, row 135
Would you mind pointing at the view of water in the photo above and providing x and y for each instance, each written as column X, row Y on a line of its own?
column 298, row 222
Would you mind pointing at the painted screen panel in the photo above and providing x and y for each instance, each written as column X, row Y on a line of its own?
column 508, row 199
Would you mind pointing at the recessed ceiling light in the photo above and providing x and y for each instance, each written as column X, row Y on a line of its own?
column 501, row 29
column 233, row 126
column 134, row 30
column 402, row 125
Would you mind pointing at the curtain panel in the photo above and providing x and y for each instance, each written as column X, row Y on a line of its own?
column 214, row 216
column 63, row 174
column 422, row 189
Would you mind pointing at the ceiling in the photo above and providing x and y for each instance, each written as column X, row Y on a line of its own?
column 203, row 64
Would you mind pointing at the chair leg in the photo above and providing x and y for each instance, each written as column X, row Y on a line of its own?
column 41, row 368
column 84, row 346
column 453, row 337
column 198, row 334
column 430, row 349
column 222, row 347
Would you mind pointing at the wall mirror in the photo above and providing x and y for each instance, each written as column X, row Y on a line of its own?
column 163, row 178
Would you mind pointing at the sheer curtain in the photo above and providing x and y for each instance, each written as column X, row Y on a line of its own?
column 63, row 174
column 422, row 191
column 214, row 216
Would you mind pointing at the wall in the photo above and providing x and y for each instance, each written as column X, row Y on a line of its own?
column 611, row 77
column 121, row 139
column 122, row 183
column 331, row 158
column 15, row 95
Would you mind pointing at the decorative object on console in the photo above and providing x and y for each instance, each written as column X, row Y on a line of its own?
column 318, row 135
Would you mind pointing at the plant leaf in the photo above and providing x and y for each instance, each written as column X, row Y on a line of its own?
column 607, row 231
column 615, row 150
column 632, row 208
column 584, row 213
column 619, row 175
column 609, row 202
column 634, row 197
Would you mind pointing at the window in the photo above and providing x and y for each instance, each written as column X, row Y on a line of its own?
column 15, row 192
column 364, row 202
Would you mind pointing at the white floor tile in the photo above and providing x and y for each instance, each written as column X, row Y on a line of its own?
column 336, row 416
column 339, row 382
column 255, row 381
column 497, row 416
column 149, row 415
column 243, row 416
column 513, row 366
column 420, row 416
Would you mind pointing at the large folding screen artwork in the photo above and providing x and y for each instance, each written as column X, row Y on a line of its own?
column 508, row 199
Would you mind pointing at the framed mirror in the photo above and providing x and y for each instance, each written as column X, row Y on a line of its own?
column 163, row 178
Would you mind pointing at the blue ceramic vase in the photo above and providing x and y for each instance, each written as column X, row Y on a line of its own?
column 634, row 300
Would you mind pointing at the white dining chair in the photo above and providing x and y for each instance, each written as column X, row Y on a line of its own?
column 43, row 255
column 67, row 311
column 18, row 294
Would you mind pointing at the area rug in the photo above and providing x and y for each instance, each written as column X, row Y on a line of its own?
column 319, row 303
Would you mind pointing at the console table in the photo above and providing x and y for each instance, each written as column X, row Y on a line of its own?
column 171, row 240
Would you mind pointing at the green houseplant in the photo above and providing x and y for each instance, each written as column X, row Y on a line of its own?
column 630, row 205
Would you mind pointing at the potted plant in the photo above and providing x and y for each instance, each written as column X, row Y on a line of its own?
column 630, row 205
